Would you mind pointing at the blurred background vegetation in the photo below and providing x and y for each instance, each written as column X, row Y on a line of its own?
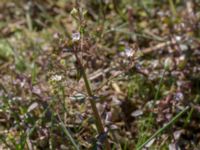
column 142, row 58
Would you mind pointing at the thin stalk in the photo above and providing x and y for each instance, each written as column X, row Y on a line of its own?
column 69, row 135
column 159, row 86
column 51, row 144
column 99, row 123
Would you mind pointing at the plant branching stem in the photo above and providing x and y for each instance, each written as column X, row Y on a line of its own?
column 99, row 123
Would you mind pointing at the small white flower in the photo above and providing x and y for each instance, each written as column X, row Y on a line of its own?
column 178, row 38
column 179, row 96
column 76, row 36
column 56, row 35
column 129, row 52
column 182, row 58
column 56, row 77
column 22, row 83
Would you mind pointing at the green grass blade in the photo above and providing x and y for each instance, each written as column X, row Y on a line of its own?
column 165, row 127
column 172, row 7
column 69, row 135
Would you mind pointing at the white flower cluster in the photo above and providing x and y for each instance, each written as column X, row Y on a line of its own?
column 76, row 36
column 129, row 52
column 56, row 78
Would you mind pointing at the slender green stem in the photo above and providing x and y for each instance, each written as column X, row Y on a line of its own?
column 98, row 119
column 94, row 108
column 159, row 86
column 99, row 123
column 69, row 135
